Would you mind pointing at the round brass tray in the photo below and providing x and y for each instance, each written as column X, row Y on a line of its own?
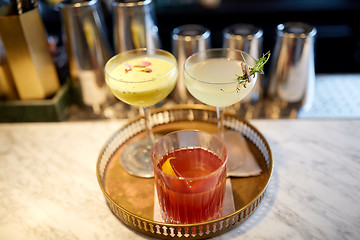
column 131, row 198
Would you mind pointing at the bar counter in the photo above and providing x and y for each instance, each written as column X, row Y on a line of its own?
column 49, row 188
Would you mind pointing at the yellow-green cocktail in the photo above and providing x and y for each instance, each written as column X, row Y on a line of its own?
column 141, row 77
column 142, row 81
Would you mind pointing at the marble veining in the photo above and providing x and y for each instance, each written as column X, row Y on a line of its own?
column 49, row 190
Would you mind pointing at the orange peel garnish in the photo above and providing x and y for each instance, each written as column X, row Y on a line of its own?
column 167, row 168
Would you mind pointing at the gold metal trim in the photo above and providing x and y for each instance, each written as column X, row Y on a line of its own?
column 109, row 172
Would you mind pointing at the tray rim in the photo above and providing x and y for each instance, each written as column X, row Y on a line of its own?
column 136, row 225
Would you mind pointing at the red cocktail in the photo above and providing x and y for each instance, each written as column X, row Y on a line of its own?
column 190, row 176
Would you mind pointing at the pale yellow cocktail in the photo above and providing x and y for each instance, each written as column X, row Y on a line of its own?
column 213, row 81
column 141, row 77
column 142, row 81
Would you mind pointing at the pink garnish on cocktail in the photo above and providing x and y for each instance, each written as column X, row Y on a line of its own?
column 143, row 67
column 147, row 70
column 145, row 63
column 128, row 67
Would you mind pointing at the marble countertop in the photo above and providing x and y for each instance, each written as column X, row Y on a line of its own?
column 49, row 190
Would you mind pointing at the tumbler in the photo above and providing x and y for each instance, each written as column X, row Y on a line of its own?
column 186, row 40
column 292, row 73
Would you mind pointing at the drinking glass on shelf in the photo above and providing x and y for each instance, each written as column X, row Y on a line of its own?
column 213, row 77
column 141, row 77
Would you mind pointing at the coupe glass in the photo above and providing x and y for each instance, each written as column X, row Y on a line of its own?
column 141, row 77
column 211, row 77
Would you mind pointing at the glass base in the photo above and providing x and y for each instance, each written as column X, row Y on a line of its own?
column 136, row 159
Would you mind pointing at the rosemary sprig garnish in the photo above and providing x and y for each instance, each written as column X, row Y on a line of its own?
column 249, row 72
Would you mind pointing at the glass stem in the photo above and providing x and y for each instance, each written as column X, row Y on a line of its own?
column 220, row 124
column 147, row 116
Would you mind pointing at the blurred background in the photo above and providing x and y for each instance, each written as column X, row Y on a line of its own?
column 337, row 23
column 84, row 96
